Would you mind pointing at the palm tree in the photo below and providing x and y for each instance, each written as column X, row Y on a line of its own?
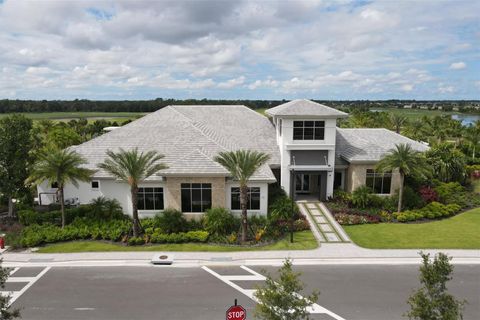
column 133, row 167
column 407, row 161
column 397, row 121
column 242, row 164
column 472, row 135
column 62, row 167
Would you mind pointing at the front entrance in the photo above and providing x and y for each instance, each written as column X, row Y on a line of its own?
column 310, row 186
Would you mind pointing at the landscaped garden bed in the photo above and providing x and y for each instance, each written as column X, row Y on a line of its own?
column 103, row 225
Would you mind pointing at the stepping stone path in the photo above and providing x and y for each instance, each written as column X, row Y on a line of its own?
column 324, row 223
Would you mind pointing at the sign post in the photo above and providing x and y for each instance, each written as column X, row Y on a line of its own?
column 236, row 312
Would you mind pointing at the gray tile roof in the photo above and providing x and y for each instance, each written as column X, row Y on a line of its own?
column 369, row 145
column 304, row 107
column 190, row 137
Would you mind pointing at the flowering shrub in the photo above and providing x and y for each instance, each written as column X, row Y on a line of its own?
column 433, row 210
column 351, row 219
column 428, row 194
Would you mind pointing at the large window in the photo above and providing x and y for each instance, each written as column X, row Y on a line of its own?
column 379, row 182
column 150, row 199
column 253, row 201
column 308, row 130
column 196, row 197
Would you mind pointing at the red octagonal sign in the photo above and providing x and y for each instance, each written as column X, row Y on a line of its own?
column 236, row 313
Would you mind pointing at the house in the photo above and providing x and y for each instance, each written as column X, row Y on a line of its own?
column 308, row 154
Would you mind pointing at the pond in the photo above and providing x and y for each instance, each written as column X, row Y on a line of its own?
column 467, row 119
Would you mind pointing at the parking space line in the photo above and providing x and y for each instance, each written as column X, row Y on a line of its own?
column 13, row 271
column 14, row 295
column 255, row 276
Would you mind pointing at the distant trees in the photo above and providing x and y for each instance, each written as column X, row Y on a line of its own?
column 15, row 146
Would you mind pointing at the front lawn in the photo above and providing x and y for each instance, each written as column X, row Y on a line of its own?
column 303, row 240
column 459, row 232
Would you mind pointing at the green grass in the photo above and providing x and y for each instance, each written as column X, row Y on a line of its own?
column 66, row 116
column 459, row 232
column 303, row 240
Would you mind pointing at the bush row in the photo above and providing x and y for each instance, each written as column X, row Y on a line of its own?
column 433, row 210
column 352, row 219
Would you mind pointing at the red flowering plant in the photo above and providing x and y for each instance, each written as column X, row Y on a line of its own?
column 428, row 194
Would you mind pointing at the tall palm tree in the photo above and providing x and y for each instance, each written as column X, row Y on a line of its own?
column 472, row 135
column 242, row 164
column 397, row 121
column 133, row 167
column 62, row 167
column 407, row 161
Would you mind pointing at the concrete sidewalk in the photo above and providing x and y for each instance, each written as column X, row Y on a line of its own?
column 338, row 253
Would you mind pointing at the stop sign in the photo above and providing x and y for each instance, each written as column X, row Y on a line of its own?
column 236, row 313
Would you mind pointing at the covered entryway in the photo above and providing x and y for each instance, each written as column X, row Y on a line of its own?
column 309, row 185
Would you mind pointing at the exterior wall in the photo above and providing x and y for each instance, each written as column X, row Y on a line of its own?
column 173, row 195
column 263, row 197
column 356, row 176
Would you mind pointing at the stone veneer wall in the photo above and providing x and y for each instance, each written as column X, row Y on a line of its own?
column 173, row 195
column 357, row 176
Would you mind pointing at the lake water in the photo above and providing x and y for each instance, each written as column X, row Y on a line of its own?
column 467, row 119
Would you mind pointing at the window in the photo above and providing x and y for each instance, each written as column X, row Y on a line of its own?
column 54, row 185
column 253, row 201
column 95, row 184
column 196, row 197
column 337, row 180
column 150, row 199
column 302, row 182
column 379, row 182
column 308, row 130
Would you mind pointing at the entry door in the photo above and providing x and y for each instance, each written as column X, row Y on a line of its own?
column 302, row 183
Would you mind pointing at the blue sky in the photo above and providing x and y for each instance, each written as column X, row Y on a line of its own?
column 240, row 49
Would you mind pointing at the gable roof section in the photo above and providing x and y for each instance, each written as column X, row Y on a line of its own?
column 307, row 108
column 190, row 137
column 370, row 145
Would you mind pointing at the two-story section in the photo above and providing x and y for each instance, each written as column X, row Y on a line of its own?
column 306, row 136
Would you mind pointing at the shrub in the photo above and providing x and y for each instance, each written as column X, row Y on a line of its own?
column 105, row 209
column 171, row 221
column 412, row 199
column 219, row 221
column 450, row 192
column 361, row 197
column 281, row 209
column 433, row 210
column 191, row 236
column 428, row 194
column 376, row 201
column 301, row 225
column 136, row 241
column 342, row 196
column 352, row 219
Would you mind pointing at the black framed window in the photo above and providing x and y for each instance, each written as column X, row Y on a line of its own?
column 308, row 130
column 150, row 199
column 253, row 201
column 379, row 182
column 95, row 184
column 196, row 197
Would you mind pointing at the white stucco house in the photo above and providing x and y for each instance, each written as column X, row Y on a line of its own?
column 309, row 157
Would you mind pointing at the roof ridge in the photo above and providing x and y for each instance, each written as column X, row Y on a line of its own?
column 192, row 121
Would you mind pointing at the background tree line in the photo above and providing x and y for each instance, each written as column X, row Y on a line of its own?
column 10, row 106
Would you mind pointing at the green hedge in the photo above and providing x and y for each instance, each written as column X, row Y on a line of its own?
column 433, row 210
column 181, row 237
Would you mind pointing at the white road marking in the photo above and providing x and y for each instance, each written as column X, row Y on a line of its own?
column 255, row 276
column 84, row 309
column 14, row 295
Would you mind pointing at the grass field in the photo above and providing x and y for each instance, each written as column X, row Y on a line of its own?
column 459, row 232
column 66, row 116
column 303, row 240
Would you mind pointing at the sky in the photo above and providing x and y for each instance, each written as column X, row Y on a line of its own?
column 338, row 50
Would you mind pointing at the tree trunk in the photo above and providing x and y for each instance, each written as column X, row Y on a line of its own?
column 10, row 206
column 136, row 221
column 243, row 206
column 400, row 193
column 62, row 206
column 473, row 155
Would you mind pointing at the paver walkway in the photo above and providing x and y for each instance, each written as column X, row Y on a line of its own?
column 320, row 218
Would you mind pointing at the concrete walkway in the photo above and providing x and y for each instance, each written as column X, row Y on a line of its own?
column 322, row 222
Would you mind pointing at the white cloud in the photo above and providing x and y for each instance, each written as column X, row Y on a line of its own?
column 458, row 65
column 407, row 87
column 232, row 83
column 444, row 89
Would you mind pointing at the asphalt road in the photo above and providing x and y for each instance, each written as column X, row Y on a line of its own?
column 375, row 292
